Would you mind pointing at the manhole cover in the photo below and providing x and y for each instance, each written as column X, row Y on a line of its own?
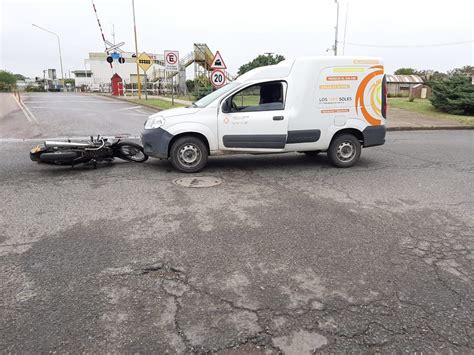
column 198, row 181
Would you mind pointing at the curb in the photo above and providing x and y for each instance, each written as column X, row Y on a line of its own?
column 132, row 102
column 429, row 128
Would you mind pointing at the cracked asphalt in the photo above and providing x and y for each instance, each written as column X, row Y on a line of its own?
column 288, row 255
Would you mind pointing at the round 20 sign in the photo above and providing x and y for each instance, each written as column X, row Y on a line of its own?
column 218, row 78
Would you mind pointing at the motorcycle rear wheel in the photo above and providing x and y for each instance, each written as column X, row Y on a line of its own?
column 131, row 152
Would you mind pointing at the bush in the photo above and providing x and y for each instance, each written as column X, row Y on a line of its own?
column 34, row 88
column 202, row 86
column 454, row 95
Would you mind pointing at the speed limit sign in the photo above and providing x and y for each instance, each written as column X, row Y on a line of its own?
column 217, row 78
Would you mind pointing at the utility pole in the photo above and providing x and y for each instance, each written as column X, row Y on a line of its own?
column 60, row 55
column 136, row 52
column 345, row 30
column 337, row 28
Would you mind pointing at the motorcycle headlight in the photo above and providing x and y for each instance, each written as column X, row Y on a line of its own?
column 154, row 122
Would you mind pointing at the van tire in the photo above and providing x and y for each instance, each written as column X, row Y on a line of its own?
column 344, row 151
column 188, row 154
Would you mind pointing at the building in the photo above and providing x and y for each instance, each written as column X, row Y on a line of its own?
column 99, row 75
column 98, row 78
column 420, row 91
column 102, row 71
column 401, row 85
column 82, row 79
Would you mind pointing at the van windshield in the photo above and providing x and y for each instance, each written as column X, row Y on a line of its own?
column 206, row 100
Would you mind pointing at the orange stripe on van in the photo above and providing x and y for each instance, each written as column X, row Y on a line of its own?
column 359, row 101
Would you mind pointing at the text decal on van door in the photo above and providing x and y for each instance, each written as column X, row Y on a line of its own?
column 372, row 82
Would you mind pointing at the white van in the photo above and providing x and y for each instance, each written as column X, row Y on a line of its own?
column 309, row 105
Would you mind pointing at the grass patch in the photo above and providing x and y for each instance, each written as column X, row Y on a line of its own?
column 161, row 104
column 190, row 98
column 247, row 100
column 424, row 106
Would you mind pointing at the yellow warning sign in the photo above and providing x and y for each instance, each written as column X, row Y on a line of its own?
column 144, row 61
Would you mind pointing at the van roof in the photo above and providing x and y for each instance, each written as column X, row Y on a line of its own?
column 283, row 69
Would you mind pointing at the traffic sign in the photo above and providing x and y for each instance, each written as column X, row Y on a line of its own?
column 110, row 46
column 144, row 61
column 171, row 61
column 217, row 78
column 218, row 62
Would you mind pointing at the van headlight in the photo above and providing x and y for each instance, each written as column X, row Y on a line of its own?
column 154, row 122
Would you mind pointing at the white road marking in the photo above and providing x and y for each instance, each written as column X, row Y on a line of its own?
column 62, row 108
column 146, row 113
column 26, row 111
column 77, row 101
column 126, row 109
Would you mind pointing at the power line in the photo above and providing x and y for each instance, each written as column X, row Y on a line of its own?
column 409, row 45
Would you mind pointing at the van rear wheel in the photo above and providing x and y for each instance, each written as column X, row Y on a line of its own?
column 188, row 154
column 344, row 151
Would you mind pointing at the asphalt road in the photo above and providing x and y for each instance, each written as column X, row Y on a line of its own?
column 69, row 115
column 288, row 254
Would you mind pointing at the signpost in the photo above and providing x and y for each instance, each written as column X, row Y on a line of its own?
column 218, row 62
column 171, row 61
column 171, row 66
column 145, row 62
column 218, row 78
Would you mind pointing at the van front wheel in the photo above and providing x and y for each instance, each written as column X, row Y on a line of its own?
column 188, row 154
column 344, row 151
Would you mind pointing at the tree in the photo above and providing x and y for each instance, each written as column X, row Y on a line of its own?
column 7, row 80
column 464, row 71
column 405, row 71
column 261, row 61
column 19, row 77
column 454, row 95
column 429, row 76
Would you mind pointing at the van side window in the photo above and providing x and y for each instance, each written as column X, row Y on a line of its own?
column 260, row 97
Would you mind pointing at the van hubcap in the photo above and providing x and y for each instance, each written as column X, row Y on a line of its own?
column 189, row 155
column 346, row 151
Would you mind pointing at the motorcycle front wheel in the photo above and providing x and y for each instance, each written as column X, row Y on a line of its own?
column 131, row 152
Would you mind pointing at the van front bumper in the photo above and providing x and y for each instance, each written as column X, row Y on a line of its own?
column 156, row 142
column 374, row 135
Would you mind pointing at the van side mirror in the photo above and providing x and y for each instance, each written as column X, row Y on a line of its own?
column 227, row 105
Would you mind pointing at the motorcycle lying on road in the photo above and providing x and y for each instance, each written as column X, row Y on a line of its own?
column 87, row 152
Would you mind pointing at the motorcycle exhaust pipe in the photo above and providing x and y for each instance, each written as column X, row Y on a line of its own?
column 54, row 144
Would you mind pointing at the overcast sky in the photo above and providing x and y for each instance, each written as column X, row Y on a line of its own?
column 239, row 29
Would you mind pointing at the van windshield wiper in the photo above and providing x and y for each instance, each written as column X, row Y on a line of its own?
column 194, row 105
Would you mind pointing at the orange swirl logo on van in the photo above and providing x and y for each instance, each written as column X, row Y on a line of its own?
column 375, row 88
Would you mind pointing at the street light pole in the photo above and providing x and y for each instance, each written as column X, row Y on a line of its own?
column 60, row 55
column 136, row 52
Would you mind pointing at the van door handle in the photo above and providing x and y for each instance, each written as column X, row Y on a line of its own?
column 278, row 118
